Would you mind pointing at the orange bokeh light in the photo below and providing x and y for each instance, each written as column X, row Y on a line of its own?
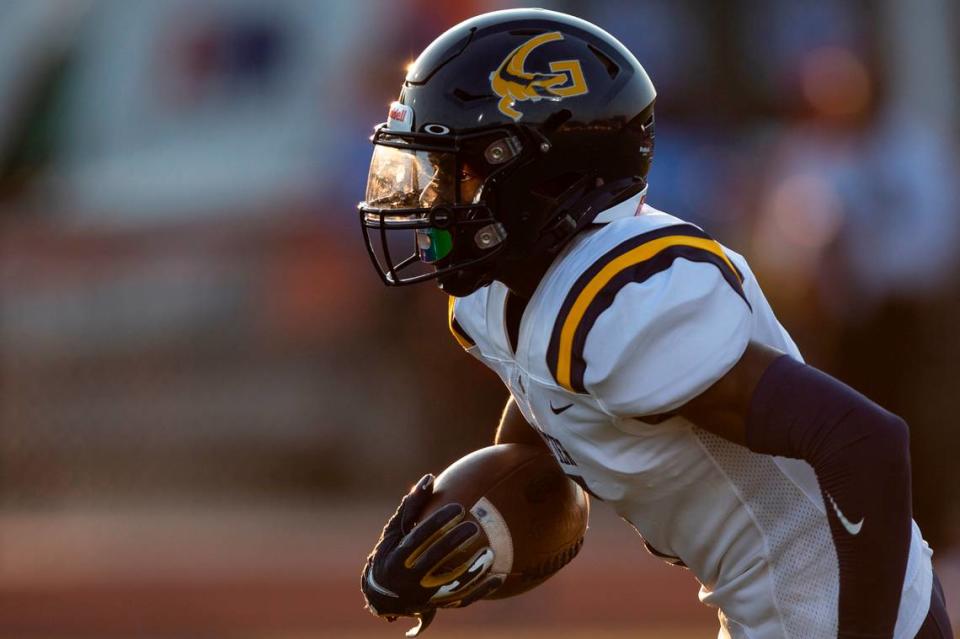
column 836, row 82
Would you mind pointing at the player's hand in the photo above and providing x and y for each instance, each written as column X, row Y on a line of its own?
column 406, row 574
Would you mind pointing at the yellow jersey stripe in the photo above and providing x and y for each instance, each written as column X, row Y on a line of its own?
column 587, row 295
column 458, row 333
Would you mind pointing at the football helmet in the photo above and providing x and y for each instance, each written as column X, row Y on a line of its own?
column 512, row 131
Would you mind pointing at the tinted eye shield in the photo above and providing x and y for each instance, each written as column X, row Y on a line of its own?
column 416, row 184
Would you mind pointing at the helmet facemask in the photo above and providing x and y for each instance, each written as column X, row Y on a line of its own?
column 428, row 199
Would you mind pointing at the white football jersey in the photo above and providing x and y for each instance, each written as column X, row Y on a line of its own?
column 637, row 316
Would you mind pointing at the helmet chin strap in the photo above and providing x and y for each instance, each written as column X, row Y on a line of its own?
column 580, row 212
column 521, row 271
column 464, row 281
column 576, row 211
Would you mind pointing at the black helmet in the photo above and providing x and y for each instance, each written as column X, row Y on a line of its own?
column 512, row 131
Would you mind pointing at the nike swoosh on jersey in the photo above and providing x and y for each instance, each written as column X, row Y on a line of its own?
column 853, row 529
column 557, row 411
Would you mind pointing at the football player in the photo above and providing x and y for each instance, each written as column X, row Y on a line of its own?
column 641, row 349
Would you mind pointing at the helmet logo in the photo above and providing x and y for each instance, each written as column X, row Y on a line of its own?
column 515, row 84
column 399, row 117
column 436, row 129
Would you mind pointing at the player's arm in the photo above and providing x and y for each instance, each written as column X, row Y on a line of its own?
column 775, row 405
column 514, row 428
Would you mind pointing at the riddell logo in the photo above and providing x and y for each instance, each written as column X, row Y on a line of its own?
column 399, row 117
column 515, row 84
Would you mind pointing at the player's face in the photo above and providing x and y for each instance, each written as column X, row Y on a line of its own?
column 439, row 191
column 469, row 182
column 434, row 244
column 420, row 184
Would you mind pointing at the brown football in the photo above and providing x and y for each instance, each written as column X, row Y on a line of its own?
column 531, row 515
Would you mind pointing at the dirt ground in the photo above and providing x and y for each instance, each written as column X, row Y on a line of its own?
column 292, row 572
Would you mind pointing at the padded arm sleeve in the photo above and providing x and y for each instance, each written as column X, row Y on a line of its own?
column 860, row 453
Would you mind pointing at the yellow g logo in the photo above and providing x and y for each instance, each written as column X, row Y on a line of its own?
column 514, row 84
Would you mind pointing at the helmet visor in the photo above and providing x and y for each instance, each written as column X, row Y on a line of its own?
column 410, row 179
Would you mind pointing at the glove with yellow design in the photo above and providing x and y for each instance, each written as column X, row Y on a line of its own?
column 406, row 574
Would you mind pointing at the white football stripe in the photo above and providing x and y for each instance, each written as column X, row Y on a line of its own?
column 498, row 534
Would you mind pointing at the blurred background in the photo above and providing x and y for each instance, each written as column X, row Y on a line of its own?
column 208, row 402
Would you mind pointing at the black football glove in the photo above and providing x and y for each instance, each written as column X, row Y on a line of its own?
column 404, row 575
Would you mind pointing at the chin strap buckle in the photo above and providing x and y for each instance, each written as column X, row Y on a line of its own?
column 490, row 235
column 559, row 232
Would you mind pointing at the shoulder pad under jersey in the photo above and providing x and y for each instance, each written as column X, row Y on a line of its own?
column 651, row 321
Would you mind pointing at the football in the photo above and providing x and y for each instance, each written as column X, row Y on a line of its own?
column 531, row 515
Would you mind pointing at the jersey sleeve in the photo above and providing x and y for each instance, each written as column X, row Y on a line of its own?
column 653, row 325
